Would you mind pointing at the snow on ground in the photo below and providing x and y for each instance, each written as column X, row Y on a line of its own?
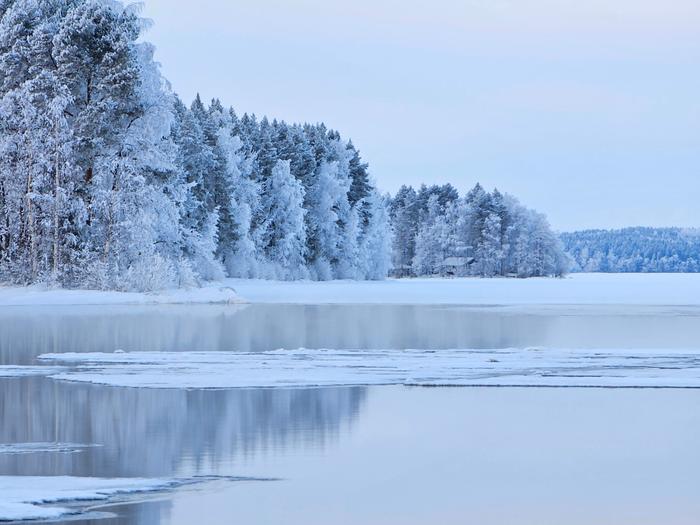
column 212, row 293
column 36, row 447
column 576, row 289
column 24, row 497
column 312, row 368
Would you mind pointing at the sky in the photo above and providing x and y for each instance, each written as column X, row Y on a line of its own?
column 588, row 111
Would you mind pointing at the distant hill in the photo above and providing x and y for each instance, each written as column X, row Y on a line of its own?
column 644, row 250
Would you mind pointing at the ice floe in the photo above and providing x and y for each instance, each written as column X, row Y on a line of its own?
column 31, row 497
column 26, row 371
column 36, row 497
column 36, row 448
column 316, row 368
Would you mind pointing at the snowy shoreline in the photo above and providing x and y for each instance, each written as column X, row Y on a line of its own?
column 210, row 293
column 576, row 289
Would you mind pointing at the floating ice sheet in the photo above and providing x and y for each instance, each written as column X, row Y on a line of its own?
column 26, row 371
column 25, row 497
column 315, row 368
column 35, row 448
column 32, row 497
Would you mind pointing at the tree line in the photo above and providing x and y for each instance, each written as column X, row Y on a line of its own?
column 636, row 250
column 108, row 180
column 437, row 232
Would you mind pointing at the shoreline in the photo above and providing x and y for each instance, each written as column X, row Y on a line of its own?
column 581, row 289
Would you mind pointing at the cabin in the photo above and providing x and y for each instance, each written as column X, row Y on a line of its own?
column 452, row 266
column 402, row 271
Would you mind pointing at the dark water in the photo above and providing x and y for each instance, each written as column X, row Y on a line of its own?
column 363, row 455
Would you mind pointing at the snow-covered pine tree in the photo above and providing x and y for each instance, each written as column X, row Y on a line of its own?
column 284, row 231
column 489, row 253
column 107, row 180
column 483, row 234
column 376, row 238
column 94, row 175
column 327, row 192
column 236, row 246
column 198, row 215
column 431, row 241
column 405, row 224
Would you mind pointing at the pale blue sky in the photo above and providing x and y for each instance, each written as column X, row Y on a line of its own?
column 586, row 110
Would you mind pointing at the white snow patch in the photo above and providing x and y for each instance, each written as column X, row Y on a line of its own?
column 576, row 289
column 211, row 293
column 23, row 497
column 315, row 368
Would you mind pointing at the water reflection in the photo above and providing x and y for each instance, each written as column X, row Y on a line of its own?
column 164, row 433
column 28, row 332
column 405, row 435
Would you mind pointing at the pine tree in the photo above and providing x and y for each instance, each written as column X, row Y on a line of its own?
column 431, row 240
column 108, row 180
column 284, row 233
column 376, row 239
column 404, row 216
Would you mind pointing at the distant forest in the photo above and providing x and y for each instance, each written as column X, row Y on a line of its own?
column 646, row 250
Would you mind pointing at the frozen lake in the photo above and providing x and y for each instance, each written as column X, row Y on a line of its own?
column 360, row 454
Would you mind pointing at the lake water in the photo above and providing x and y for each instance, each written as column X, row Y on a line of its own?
column 363, row 454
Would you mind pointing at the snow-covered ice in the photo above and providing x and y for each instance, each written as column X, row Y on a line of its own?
column 211, row 293
column 315, row 368
column 25, row 371
column 25, row 497
column 34, row 448
column 35, row 497
column 576, row 289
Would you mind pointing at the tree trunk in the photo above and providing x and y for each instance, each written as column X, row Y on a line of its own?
column 110, row 219
column 56, row 209
column 31, row 226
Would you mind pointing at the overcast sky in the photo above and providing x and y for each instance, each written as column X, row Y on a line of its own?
column 586, row 110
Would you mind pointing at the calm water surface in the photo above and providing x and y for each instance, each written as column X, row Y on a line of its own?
column 363, row 455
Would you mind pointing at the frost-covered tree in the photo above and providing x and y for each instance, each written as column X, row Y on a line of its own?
column 237, row 247
column 482, row 234
column 376, row 238
column 283, row 232
column 489, row 253
column 404, row 219
column 109, row 180
column 431, row 240
column 349, row 264
column 328, row 194
column 85, row 121
column 198, row 215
